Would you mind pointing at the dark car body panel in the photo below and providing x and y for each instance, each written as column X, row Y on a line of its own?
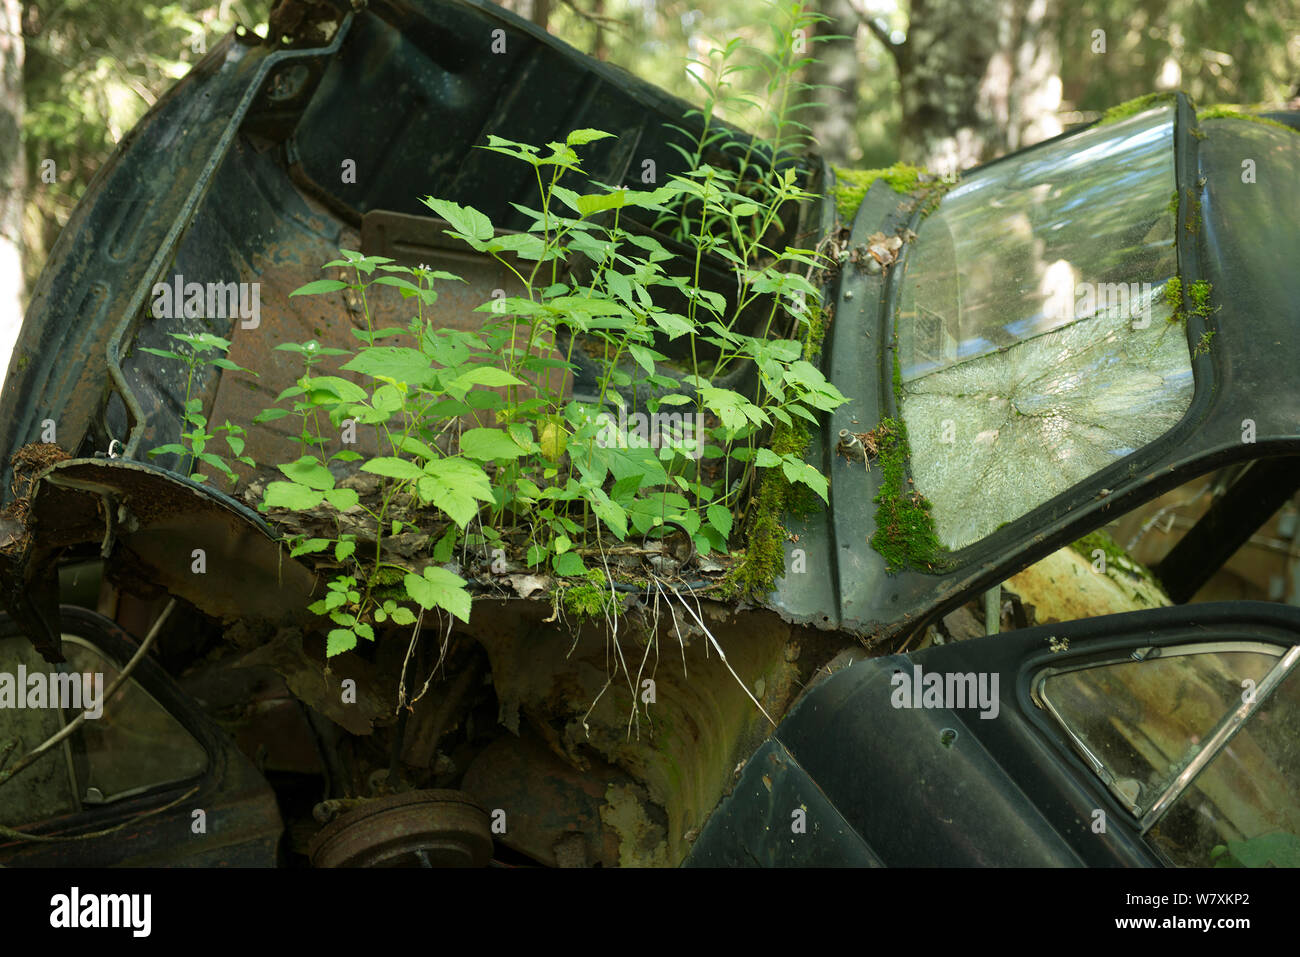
column 1004, row 791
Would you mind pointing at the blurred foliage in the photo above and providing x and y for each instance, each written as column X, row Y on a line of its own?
column 1218, row 51
column 94, row 67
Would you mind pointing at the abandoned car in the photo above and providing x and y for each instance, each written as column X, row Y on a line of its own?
column 1004, row 364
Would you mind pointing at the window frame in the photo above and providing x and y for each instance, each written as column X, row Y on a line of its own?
column 1287, row 659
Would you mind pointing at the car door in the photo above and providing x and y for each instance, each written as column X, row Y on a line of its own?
column 1163, row 737
column 146, row 779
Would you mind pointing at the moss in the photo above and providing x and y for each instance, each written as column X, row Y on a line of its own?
column 1174, row 298
column 1199, row 294
column 756, row 572
column 587, row 600
column 816, row 334
column 790, row 439
column 851, row 185
column 1228, row 113
column 904, row 533
column 1193, row 211
column 1203, row 346
column 385, row 575
column 1115, row 556
column 1173, row 203
column 1122, row 111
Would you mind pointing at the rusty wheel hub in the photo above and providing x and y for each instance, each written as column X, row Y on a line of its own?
column 415, row 829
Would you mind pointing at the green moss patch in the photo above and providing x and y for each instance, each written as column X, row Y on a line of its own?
column 904, row 533
column 588, row 599
column 1115, row 556
column 1199, row 294
column 851, row 185
column 1228, row 113
column 1174, row 298
column 755, row 574
column 1122, row 111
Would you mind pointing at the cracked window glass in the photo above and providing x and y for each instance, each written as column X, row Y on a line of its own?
column 1035, row 344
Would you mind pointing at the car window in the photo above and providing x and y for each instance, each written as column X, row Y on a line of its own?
column 45, row 789
column 1243, row 808
column 1035, row 345
column 1139, row 723
column 135, row 746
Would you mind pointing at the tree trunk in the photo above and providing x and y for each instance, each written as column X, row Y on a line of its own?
column 977, row 80
column 13, row 178
column 836, row 73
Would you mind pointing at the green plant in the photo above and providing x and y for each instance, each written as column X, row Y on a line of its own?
column 196, row 443
column 754, row 163
column 546, row 479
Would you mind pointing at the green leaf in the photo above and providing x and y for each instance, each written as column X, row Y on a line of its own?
column 466, row 220
column 489, row 444
column 393, row 468
column 319, row 286
column 310, row 472
column 599, row 202
column 613, row 515
column 215, row 461
column 222, row 363
column 309, row 547
column 342, row 498
column 291, row 495
column 330, row 387
column 805, row 474
column 170, row 449
column 486, row 375
column 536, row 555
column 584, row 136
column 398, row 363
column 456, row 486
column 269, row 415
column 163, row 353
column 344, row 550
column 570, row 563
column 403, row 616
column 439, row 588
column 338, row 641
column 442, row 551
column 720, row 518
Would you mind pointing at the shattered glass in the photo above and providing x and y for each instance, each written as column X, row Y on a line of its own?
column 1034, row 341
